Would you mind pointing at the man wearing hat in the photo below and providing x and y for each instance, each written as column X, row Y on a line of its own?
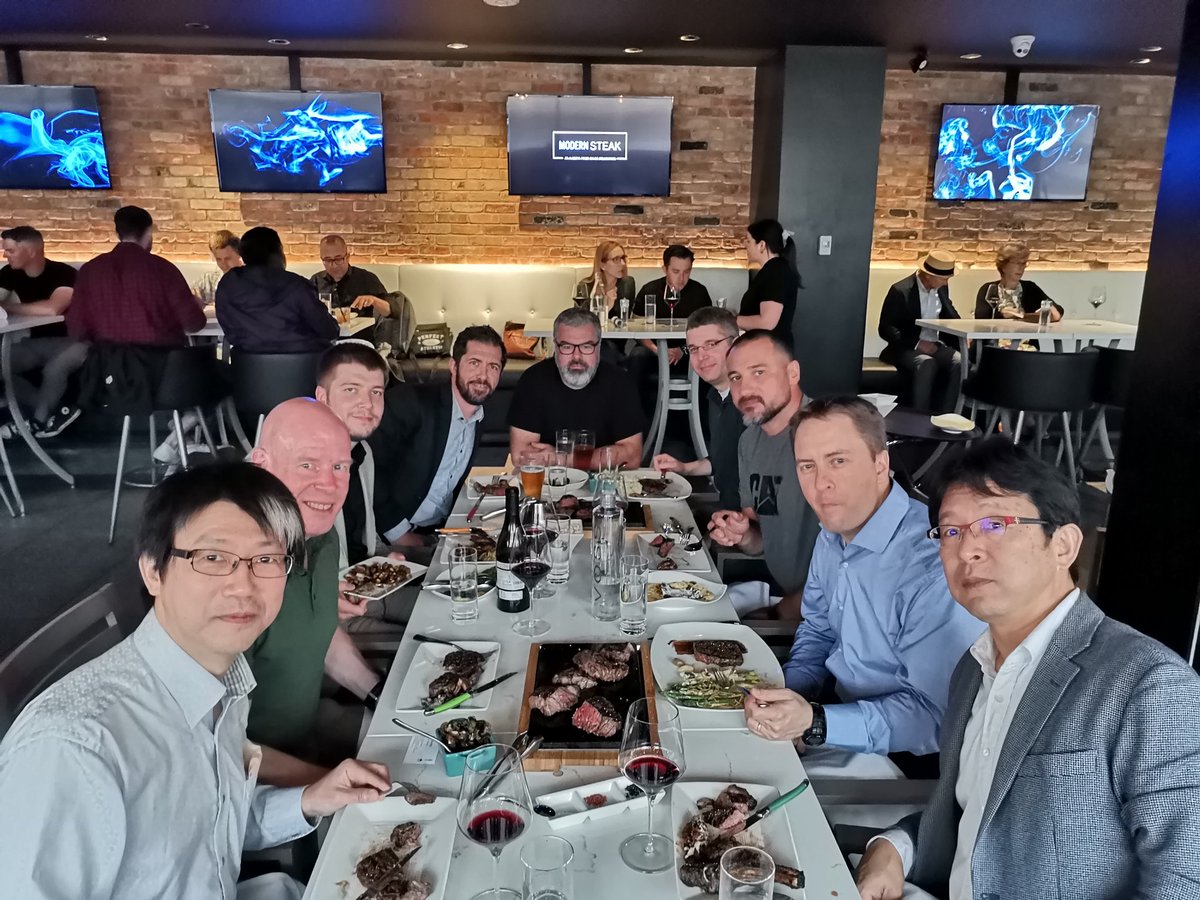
column 928, row 356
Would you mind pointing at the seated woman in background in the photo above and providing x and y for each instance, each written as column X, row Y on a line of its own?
column 610, row 279
column 770, row 302
column 989, row 303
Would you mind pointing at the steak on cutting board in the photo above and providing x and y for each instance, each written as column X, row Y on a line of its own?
column 597, row 716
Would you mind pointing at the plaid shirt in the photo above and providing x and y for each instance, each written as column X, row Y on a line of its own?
column 130, row 296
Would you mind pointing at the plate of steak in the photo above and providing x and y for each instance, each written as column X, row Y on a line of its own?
column 658, row 548
column 437, row 670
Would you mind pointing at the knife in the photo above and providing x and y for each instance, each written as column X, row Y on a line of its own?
column 474, row 509
column 757, row 817
column 464, row 697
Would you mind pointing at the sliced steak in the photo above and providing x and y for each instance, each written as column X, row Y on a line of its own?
column 620, row 652
column 401, row 888
column 789, row 877
column 737, row 796
column 572, row 675
column 419, row 798
column 665, row 548
column 553, row 699
column 378, row 867
column 450, row 684
column 719, row 653
column 406, row 836
column 464, row 662
column 597, row 716
column 703, row 875
column 600, row 666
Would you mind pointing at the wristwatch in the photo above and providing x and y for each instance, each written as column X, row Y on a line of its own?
column 372, row 699
column 815, row 735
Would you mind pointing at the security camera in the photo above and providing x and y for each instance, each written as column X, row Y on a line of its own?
column 1022, row 44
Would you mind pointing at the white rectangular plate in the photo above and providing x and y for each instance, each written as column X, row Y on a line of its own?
column 684, row 561
column 448, row 542
column 416, row 570
column 427, row 665
column 775, row 830
column 682, row 603
column 360, row 829
column 572, row 811
column 473, row 495
column 758, row 657
column 678, row 489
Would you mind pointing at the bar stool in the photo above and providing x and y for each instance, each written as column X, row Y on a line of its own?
column 261, row 381
column 1110, row 390
column 189, row 381
column 1042, row 383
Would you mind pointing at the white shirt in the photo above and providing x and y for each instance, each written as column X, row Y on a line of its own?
column 931, row 308
column 366, row 481
column 992, row 713
column 132, row 779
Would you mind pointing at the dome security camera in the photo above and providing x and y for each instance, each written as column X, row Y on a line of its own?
column 1022, row 44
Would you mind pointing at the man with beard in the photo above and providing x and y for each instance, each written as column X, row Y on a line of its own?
column 425, row 441
column 576, row 390
column 775, row 521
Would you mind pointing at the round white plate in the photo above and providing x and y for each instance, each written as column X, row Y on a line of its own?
column 577, row 480
column 952, row 422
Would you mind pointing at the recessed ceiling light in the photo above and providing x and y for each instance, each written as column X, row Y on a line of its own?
column 689, row 38
column 971, row 55
column 97, row 37
column 457, row 45
column 196, row 26
column 1153, row 48
column 278, row 42
column 1145, row 60
column 633, row 49
column 501, row 2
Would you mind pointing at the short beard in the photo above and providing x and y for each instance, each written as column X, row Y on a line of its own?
column 577, row 381
column 474, row 395
column 766, row 415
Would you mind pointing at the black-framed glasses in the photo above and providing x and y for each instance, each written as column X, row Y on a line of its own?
column 566, row 348
column 988, row 526
column 333, row 260
column 706, row 347
column 220, row 562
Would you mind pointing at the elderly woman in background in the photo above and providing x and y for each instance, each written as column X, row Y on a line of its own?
column 1010, row 296
column 610, row 279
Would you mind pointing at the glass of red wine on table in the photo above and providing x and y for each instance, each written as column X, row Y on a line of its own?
column 652, row 758
column 671, row 298
column 494, row 807
column 533, row 565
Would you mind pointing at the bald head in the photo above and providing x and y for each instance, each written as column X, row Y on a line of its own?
column 306, row 446
column 335, row 256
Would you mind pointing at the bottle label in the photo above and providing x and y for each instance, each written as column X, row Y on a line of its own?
column 509, row 586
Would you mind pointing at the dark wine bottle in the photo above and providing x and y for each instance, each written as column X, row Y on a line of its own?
column 511, row 595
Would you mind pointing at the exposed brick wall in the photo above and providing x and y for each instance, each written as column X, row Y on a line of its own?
column 446, row 162
column 1110, row 229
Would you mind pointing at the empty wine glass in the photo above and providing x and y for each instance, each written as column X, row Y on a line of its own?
column 1097, row 296
column 652, row 758
column 494, row 807
column 992, row 296
column 532, row 566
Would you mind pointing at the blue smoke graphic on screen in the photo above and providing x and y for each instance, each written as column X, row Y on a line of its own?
column 310, row 139
column 71, row 143
column 1022, row 146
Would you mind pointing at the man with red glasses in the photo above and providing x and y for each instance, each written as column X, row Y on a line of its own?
column 1070, row 752
column 576, row 390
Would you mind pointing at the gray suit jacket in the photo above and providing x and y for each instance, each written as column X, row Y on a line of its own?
column 1097, row 789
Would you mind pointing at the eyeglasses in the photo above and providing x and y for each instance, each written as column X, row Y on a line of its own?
column 991, row 526
column 615, row 259
column 218, row 562
column 566, row 348
column 328, row 260
column 706, row 347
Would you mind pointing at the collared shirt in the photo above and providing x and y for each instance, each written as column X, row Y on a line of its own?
column 460, row 442
column 131, row 778
column 992, row 713
column 931, row 308
column 355, row 524
column 131, row 296
column 879, row 618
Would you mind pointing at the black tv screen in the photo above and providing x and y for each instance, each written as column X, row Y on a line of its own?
column 50, row 137
column 594, row 146
column 1026, row 152
column 299, row 141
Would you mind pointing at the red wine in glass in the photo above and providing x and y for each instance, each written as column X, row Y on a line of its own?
column 497, row 826
column 531, row 572
column 652, row 772
column 652, row 757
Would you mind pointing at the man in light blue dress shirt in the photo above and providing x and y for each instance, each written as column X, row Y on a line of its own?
column 131, row 778
column 879, row 619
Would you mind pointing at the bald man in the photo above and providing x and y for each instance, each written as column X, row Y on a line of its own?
column 306, row 446
column 350, row 285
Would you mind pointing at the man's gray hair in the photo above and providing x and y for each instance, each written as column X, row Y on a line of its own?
column 711, row 315
column 574, row 317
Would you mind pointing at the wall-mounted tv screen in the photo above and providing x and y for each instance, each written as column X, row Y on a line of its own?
column 299, row 141
column 50, row 137
column 1026, row 152
column 585, row 145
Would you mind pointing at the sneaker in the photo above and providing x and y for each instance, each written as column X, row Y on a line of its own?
column 57, row 423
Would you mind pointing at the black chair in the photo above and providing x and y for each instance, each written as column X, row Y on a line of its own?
column 190, row 382
column 261, row 381
column 1110, row 390
column 1059, row 384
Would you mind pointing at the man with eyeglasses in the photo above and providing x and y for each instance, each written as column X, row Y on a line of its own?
column 349, row 285
column 1070, row 752
column 877, row 617
column 710, row 331
column 131, row 777
column 576, row 390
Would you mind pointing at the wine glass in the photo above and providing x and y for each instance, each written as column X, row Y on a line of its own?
column 671, row 298
column 532, row 566
column 494, row 807
column 1097, row 296
column 652, row 758
column 992, row 297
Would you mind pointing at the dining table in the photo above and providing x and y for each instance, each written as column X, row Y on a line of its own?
column 728, row 753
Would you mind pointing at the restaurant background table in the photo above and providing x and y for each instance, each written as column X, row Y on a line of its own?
column 660, row 332
column 15, row 325
column 212, row 328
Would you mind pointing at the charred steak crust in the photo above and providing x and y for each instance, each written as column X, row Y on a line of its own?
column 597, row 716
column 552, row 699
column 572, row 675
column 600, row 666
column 719, row 653
column 463, row 662
column 377, row 867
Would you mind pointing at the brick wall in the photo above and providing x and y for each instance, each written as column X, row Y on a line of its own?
column 1110, row 229
column 446, row 162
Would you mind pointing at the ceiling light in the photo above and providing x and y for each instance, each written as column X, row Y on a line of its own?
column 1144, row 61
column 196, row 26
column 501, row 2
column 971, row 55
column 633, row 49
column 278, row 42
column 1152, row 48
column 457, row 45
column 689, row 38
column 920, row 61
column 97, row 37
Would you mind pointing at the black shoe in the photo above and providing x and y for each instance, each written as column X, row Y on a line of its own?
column 56, row 424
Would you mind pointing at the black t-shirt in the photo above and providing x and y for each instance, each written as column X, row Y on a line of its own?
column 30, row 290
column 725, row 427
column 693, row 296
column 776, row 281
column 608, row 406
column 354, row 284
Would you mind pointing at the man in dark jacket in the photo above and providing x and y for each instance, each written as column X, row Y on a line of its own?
column 930, row 358
column 263, row 308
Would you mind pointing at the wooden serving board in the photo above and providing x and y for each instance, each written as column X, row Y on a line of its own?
column 568, row 745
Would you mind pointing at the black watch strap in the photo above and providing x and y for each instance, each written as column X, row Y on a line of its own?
column 372, row 699
column 815, row 735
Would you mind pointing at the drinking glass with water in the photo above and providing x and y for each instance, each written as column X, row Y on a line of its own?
column 635, row 571
column 608, row 543
column 560, row 549
column 547, row 862
column 464, row 584
column 651, row 310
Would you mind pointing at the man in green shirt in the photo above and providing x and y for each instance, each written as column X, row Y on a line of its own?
column 307, row 447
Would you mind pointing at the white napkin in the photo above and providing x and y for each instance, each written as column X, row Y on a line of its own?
column 885, row 403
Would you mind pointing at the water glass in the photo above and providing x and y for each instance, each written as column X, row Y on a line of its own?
column 326, row 298
column 609, row 461
column 547, row 862
column 556, row 480
column 635, row 571
column 560, row 549
column 651, row 310
column 624, row 310
column 464, row 584
column 721, row 302
column 608, row 543
column 1044, row 313
column 564, row 443
column 747, row 873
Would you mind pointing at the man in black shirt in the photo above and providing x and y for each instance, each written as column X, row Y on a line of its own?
column 710, row 331
column 576, row 390
column 32, row 285
column 349, row 285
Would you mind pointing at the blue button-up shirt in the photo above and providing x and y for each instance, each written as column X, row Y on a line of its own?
column 131, row 778
column 879, row 618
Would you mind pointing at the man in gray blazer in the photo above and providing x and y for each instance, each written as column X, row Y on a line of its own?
column 1070, row 749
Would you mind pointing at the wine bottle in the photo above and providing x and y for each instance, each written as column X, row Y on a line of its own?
column 511, row 595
